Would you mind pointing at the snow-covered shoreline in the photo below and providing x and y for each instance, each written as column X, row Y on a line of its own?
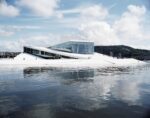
column 96, row 61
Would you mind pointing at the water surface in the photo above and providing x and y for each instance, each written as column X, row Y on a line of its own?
column 75, row 93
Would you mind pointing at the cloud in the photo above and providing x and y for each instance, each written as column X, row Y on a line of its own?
column 8, row 10
column 92, row 11
column 94, row 26
column 136, row 10
column 100, row 32
column 10, row 45
column 128, row 29
column 95, row 11
column 9, row 30
column 38, row 40
column 47, row 40
column 129, row 26
column 44, row 8
column 6, row 33
column 17, row 44
column 18, row 27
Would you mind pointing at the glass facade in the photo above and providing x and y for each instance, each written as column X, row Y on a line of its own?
column 31, row 51
column 70, row 47
column 76, row 47
column 43, row 54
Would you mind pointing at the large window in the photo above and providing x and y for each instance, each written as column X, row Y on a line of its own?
column 76, row 47
column 43, row 54
column 30, row 50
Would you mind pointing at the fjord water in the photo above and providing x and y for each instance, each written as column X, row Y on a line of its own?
column 75, row 93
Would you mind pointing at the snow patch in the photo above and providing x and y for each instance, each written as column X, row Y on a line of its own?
column 96, row 61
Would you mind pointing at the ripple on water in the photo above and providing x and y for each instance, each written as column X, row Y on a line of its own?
column 57, row 92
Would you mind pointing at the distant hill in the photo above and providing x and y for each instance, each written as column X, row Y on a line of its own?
column 8, row 54
column 122, row 51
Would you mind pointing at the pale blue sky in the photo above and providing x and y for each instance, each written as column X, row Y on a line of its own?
column 64, row 22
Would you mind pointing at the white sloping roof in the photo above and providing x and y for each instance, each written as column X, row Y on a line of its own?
column 73, row 55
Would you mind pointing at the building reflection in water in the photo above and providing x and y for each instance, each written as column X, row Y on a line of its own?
column 47, row 91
